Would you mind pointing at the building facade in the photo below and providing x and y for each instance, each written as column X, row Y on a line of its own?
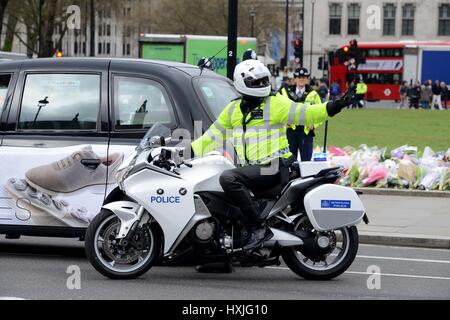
column 330, row 24
column 116, row 34
column 117, row 31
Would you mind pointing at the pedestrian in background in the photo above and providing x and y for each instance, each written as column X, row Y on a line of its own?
column 403, row 95
column 249, row 54
column 437, row 91
column 426, row 94
column 414, row 95
column 335, row 91
column 361, row 90
column 285, row 82
column 444, row 95
column 323, row 91
column 314, row 84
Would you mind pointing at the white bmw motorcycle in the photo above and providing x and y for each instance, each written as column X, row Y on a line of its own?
column 168, row 209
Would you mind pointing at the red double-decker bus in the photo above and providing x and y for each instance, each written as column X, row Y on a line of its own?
column 387, row 64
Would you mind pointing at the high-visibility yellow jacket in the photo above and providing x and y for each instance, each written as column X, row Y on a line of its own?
column 261, row 138
column 312, row 98
column 361, row 88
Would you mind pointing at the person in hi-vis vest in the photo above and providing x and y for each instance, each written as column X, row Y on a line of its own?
column 301, row 138
column 256, row 126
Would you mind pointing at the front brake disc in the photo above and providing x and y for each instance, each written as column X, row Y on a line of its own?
column 114, row 250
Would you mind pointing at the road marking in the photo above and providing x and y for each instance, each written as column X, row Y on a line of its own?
column 399, row 275
column 403, row 247
column 399, row 259
column 403, row 259
column 381, row 274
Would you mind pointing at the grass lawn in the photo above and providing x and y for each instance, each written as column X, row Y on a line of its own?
column 388, row 128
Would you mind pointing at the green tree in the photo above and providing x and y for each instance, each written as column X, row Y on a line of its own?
column 3, row 4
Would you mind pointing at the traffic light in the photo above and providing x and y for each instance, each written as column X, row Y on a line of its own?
column 331, row 56
column 343, row 54
column 351, row 55
column 298, row 51
column 320, row 64
column 354, row 48
column 354, row 54
column 357, row 53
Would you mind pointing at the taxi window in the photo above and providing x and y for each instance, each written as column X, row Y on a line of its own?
column 4, row 85
column 60, row 102
column 216, row 94
column 139, row 103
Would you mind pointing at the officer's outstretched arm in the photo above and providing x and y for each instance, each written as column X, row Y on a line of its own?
column 333, row 108
column 312, row 115
column 214, row 137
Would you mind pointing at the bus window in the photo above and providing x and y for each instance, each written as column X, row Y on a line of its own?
column 372, row 53
column 383, row 53
column 388, row 52
column 382, row 78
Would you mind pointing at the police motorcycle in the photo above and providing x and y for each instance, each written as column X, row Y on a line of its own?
column 168, row 207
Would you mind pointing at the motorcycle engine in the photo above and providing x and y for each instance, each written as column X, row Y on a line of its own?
column 204, row 231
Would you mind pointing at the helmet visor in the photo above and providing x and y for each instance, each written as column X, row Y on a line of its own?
column 257, row 83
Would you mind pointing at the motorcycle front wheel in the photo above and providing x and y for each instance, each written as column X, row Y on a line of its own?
column 121, row 259
column 327, row 262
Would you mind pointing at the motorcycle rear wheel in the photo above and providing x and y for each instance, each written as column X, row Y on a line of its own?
column 322, row 269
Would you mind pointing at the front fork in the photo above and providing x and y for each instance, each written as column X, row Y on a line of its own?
column 129, row 214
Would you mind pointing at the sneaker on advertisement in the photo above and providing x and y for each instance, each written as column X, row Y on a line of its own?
column 81, row 169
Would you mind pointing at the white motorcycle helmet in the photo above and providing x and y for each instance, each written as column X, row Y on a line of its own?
column 252, row 78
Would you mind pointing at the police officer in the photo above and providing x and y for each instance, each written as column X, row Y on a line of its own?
column 256, row 124
column 301, row 137
column 361, row 90
column 249, row 54
column 205, row 63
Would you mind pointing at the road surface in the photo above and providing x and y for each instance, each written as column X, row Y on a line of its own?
column 34, row 268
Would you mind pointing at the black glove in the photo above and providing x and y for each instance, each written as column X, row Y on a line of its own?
column 334, row 107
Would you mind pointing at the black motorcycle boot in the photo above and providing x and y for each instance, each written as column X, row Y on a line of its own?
column 259, row 235
column 216, row 267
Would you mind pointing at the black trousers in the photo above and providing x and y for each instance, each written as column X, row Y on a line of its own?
column 357, row 101
column 237, row 182
column 299, row 141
